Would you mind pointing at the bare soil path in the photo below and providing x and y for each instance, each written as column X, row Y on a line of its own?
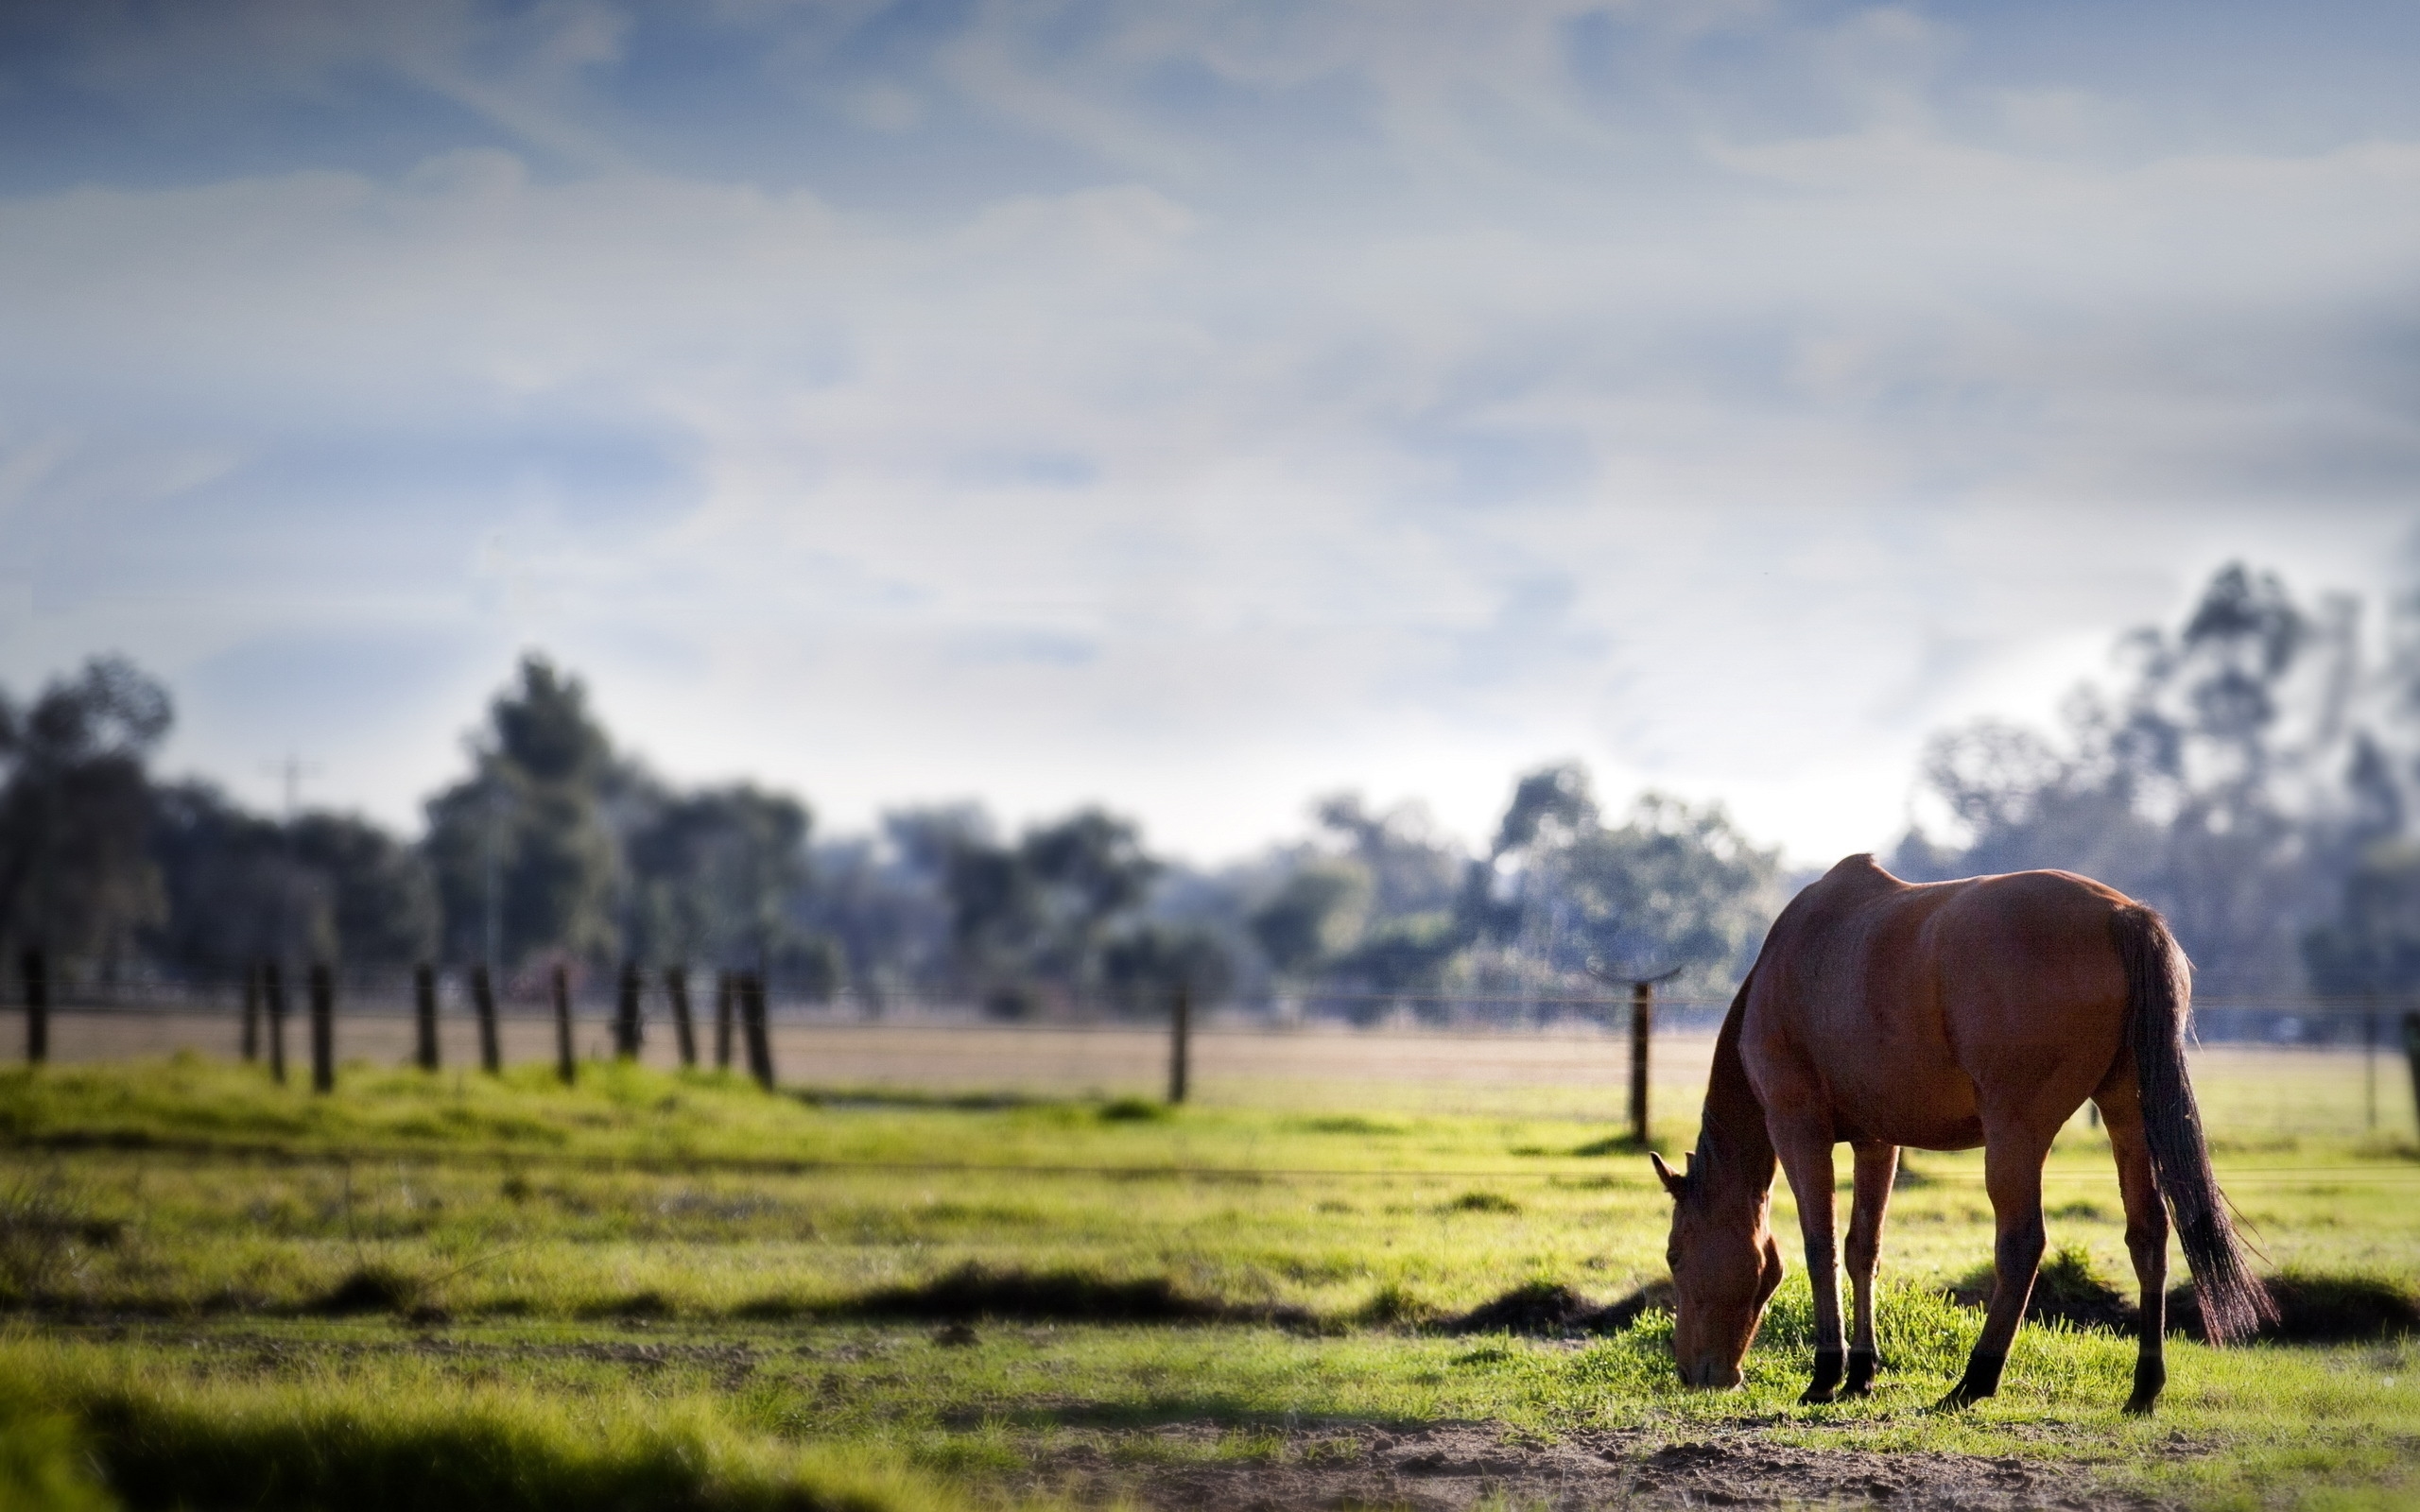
column 1448, row 1467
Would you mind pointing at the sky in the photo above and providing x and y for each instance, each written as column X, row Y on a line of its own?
column 1188, row 405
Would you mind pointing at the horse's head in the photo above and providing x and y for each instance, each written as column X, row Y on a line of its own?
column 1725, row 1265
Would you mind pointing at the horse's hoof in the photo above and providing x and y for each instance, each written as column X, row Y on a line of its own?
column 1863, row 1364
column 2150, row 1376
column 1827, row 1379
column 1982, row 1379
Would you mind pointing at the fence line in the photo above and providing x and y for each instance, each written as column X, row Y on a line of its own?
column 746, row 1010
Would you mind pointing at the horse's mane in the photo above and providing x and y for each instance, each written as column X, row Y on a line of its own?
column 1733, row 1145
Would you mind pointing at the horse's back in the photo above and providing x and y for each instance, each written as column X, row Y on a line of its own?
column 1913, row 1012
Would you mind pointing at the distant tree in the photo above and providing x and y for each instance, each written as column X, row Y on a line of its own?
column 531, row 815
column 881, row 902
column 77, row 875
column 1143, row 967
column 1314, row 917
column 712, row 875
column 2372, row 944
column 373, row 891
column 234, row 890
column 1673, row 887
column 1033, row 915
column 2228, row 780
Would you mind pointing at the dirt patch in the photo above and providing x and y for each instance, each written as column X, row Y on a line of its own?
column 1551, row 1310
column 1447, row 1467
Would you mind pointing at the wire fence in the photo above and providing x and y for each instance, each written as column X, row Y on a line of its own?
column 2268, row 1066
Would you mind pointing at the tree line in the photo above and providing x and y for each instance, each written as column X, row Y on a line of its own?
column 2249, row 772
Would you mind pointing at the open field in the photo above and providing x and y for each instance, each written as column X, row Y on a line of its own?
column 668, row 1289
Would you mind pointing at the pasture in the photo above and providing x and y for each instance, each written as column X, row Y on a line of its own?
column 1353, row 1273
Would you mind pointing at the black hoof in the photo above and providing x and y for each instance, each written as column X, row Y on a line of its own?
column 1827, row 1379
column 1863, row 1364
column 1982, row 1379
column 2150, row 1376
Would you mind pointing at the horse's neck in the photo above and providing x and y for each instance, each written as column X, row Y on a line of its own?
column 1735, row 1152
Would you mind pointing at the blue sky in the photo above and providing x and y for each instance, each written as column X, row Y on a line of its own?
column 1189, row 407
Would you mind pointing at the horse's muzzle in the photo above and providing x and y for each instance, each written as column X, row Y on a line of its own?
column 1709, row 1373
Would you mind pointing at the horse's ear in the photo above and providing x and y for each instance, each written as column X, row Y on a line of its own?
column 1674, row 1182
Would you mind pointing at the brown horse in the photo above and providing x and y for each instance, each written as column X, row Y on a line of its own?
column 1942, row 1017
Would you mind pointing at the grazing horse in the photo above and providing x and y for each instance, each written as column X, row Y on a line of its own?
column 1942, row 1017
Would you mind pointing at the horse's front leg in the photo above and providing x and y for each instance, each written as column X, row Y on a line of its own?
column 1876, row 1164
column 2012, row 1175
column 1807, row 1157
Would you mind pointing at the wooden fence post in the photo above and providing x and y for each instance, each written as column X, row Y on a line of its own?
column 1642, row 1024
column 323, row 1029
column 725, row 989
column 2370, row 1065
column 252, row 1036
column 2411, row 1053
column 760, row 1041
column 565, row 1067
column 36, row 977
column 424, row 1016
column 483, row 1002
column 676, row 991
column 625, row 1014
column 1180, row 1041
column 273, row 998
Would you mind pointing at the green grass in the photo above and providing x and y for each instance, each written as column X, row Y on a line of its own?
column 673, row 1290
column 163, row 1429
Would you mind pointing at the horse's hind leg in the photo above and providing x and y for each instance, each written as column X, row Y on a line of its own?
column 2145, row 1233
column 2013, row 1174
column 1876, row 1164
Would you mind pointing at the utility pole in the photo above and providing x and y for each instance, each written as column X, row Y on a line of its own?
column 291, row 773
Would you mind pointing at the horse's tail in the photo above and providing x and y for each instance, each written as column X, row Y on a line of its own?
column 2159, row 997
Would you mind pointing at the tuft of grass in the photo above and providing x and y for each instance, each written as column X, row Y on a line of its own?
column 2067, row 1290
column 1348, row 1124
column 1534, row 1307
column 2318, row 1308
column 1481, row 1202
column 1611, row 1145
column 44, row 1230
column 45, row 1465
column 413, row 1439
column 1134, row 1110
column 975, row 1292
column 373, row 1289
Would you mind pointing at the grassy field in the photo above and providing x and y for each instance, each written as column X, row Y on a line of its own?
column 668, row 1289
